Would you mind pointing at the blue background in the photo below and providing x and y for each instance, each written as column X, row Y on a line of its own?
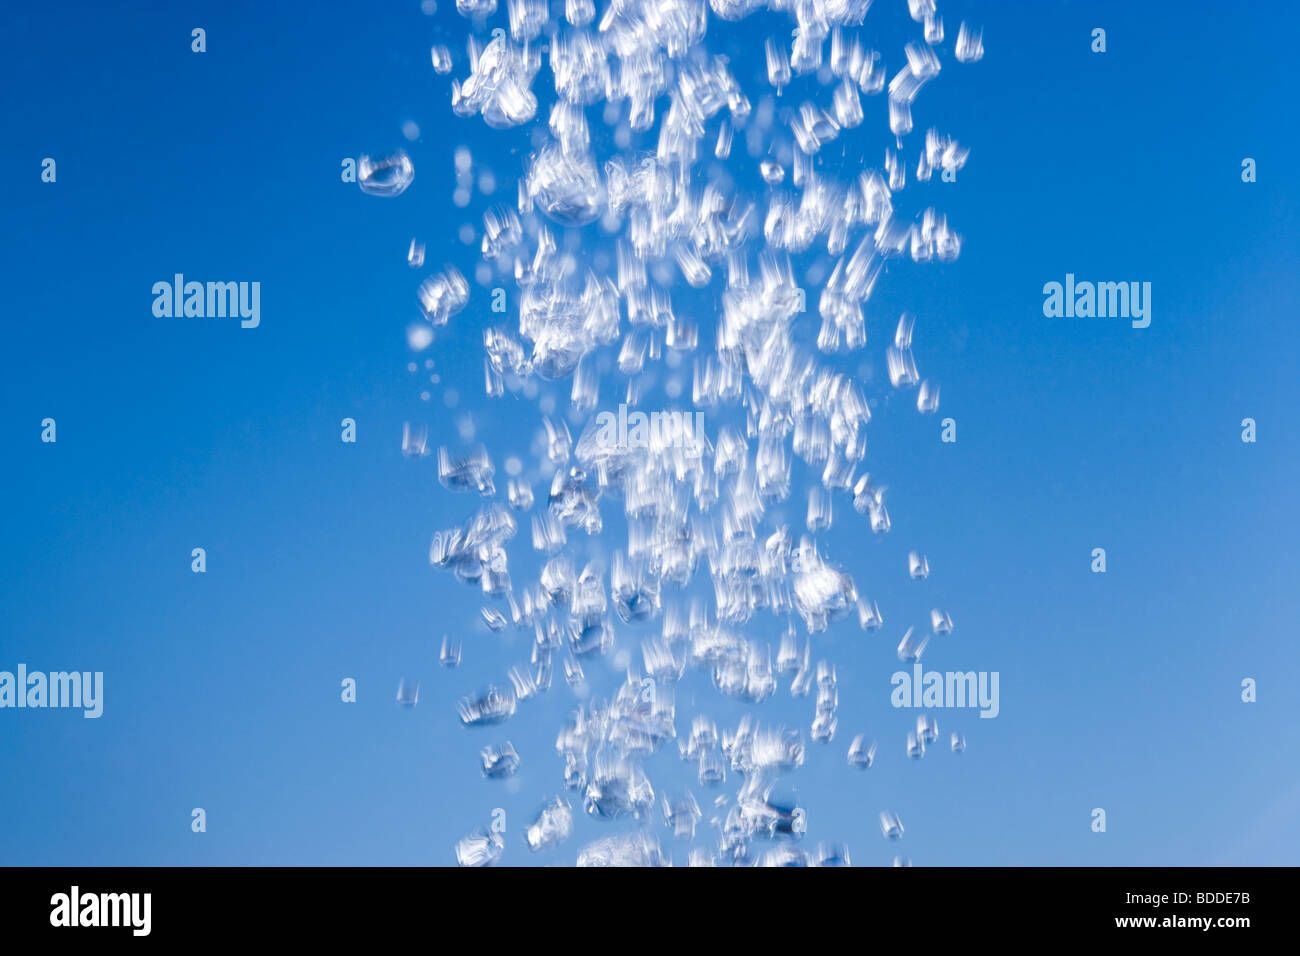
column 1119, row 690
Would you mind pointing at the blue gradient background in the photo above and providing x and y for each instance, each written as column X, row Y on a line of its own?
column 1119, row 691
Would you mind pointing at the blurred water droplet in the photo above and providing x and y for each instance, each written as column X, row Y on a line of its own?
column 918, row 566
column 449, row 655
column 890, row 825
column 520, row 494
column 927, row 729
column 915, row 746
column 468, row 471
column 552, row 826
column 910, row 648
column 927, row 398
column 415, row 255
column 408, row 693
column 481, row 848
column 499, row 762
column 861, row 754
column 632, row 850
column 489, row 707
column 443, row 295
column 970, row 44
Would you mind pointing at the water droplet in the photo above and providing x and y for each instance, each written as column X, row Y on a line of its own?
column 386, row 175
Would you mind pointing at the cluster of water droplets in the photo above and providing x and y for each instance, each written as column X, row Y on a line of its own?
column 597, row 247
